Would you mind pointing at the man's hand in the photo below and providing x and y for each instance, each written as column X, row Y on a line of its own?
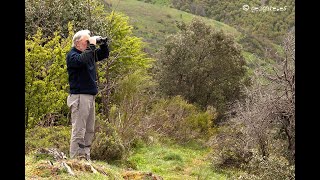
column 92, row 40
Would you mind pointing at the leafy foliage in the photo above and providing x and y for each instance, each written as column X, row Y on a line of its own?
column 107, row 144
column 126, row 49
column 54, row 15
column 125, row 57
column 46, row 77
column 203, row 65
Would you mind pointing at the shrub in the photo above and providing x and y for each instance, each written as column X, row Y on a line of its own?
column 203, row 65
column 107, row 145
column 48, row 137
column 177, row 119
column 229, row 149
column 131, row 99
column 273, row 168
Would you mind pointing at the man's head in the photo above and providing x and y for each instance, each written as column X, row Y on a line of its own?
column 80, row 39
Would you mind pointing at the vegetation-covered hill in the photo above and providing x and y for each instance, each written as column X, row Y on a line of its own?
column 154, row 22
column 270, row 19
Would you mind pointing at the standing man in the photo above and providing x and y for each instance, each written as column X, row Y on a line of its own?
column 83, row 88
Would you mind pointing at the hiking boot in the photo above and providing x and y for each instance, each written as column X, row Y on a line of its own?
column 81, row 157
column 88, row 157
column 85, row 157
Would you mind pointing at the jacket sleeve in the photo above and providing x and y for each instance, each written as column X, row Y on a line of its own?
column 102, row 52
column 77, row 60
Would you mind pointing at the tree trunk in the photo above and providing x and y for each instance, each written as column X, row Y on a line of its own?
column 291, row 141
column 27, row 118
column 263, row 146
column 106, row 97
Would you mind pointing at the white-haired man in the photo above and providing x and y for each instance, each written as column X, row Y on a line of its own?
column 82, row 81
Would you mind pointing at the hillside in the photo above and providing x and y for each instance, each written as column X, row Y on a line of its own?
column 153, row 22
column 270, row 19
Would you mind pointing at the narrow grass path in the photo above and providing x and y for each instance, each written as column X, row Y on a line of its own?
column 175, row 162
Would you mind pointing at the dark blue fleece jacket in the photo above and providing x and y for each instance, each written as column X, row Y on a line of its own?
column 81, row 68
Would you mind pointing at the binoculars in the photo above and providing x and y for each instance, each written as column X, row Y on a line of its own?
column 102, row 40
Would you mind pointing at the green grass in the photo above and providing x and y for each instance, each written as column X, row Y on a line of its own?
column 160, row 2
column 172, row 161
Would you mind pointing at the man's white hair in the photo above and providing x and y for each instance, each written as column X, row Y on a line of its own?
column 78, row 35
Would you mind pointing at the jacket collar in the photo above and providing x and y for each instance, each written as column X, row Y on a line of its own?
column 77, row 50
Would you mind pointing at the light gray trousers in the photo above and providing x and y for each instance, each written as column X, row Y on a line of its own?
column 82, row 108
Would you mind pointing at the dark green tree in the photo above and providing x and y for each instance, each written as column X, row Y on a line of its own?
column 203, row 65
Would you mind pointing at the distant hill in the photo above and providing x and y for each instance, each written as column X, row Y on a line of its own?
column 155, row 20
column 269, row 19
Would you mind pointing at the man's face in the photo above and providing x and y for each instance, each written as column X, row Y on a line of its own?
column 82, row 43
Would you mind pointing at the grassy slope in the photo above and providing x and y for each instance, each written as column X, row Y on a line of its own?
column 154, row 22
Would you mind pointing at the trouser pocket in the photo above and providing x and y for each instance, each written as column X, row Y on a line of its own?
column 73, row 99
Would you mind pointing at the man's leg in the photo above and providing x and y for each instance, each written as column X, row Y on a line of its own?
column 90, row 127
column 79, row 115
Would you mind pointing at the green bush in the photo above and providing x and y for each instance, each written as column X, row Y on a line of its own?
column 130, row 101
column 177, row 119
column 107, row 145
column 48, row 137
column 46, row 79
